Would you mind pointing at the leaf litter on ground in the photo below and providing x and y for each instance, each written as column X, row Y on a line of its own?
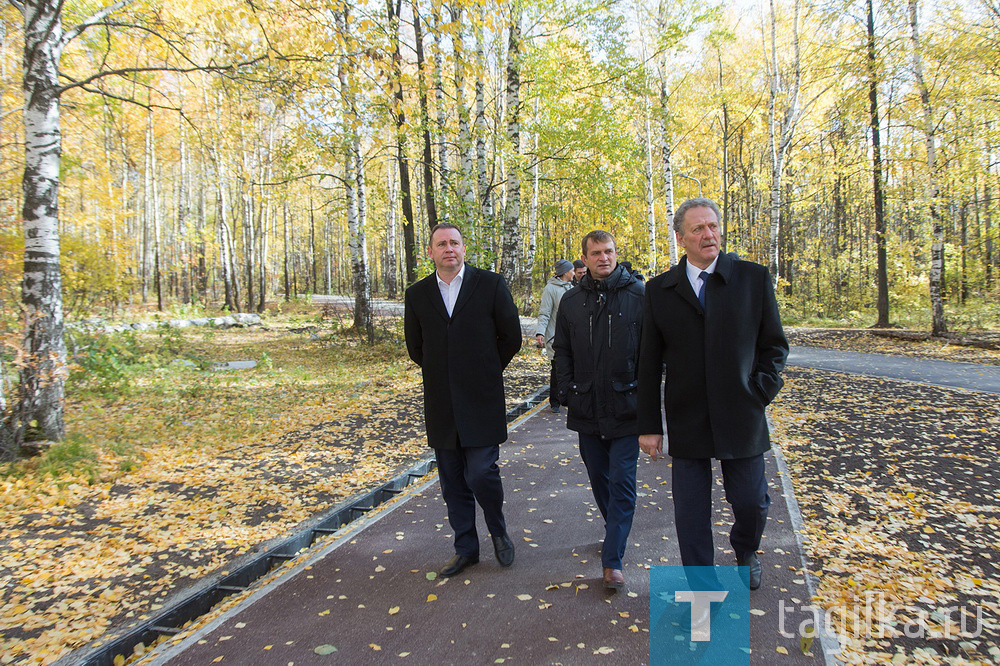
column 226, row 462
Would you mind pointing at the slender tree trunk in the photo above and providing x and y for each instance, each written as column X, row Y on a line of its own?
column 782, row 131
column 357, row 207
column 155, row 215
column 650, row 190
column 409, row 249
column 485, row 185
column 284, row 222
column 988, row 213
column 43, row 376
column 437, row 62
column 511, row 235
column 391, row 269
column 725, row 159
column 313, row 284
column 529, row 263
column 938, row 322
column 428, row 161
column 668, row 169
column 465, row 147
column 881, row 276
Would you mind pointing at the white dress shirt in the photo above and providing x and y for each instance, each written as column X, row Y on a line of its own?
column 449, row 292
column 694, row 274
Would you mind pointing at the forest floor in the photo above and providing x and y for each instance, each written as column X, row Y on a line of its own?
column 172, row 470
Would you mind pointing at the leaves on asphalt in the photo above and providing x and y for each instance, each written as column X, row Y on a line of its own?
column 897, row 483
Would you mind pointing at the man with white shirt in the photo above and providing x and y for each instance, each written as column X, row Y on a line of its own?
column 462, row 329
column 713, row 321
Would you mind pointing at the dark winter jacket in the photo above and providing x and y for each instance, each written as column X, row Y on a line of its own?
column 597, row 353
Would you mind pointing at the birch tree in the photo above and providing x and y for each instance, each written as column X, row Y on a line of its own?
column 881, row 271
column 938, row 324
column 782, row 130
column 43, row 377
column 512, row 213
column 354, row 185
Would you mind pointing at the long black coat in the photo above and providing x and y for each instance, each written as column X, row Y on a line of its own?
column 722, row 368
column 463, row 356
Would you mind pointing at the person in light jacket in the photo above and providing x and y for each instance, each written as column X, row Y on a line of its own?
column 545, row 332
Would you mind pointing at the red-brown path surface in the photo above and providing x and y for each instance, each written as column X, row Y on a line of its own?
column 366, row 592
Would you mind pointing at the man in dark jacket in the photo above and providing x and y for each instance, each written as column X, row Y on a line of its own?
column 597, row 353
column 462, row 329
column 713, row 320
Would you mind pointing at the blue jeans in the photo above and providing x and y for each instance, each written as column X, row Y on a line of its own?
column 611, row 467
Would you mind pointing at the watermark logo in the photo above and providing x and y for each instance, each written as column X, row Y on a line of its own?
column 698, row 615
column 874, row 618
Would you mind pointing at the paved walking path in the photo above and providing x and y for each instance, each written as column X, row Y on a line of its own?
column 971, row 376
column 366, row 591
column 367, row 594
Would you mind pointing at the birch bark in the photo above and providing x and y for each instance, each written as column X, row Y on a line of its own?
column 511, row 245
column 938, row 323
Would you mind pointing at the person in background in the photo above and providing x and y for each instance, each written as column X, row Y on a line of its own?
column 545, row 331
column 579, row 270
column 597, row 355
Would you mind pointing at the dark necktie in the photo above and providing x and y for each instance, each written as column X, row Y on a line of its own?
column 701, row 292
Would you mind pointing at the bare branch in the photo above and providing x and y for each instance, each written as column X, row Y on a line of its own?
column 136, row 70
column 92, row 20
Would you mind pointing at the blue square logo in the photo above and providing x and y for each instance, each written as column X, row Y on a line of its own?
column 698, row 615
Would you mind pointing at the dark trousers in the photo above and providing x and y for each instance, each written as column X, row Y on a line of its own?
column 469, row 475
column 611, row 467
column 553, row 392
column 746, row 492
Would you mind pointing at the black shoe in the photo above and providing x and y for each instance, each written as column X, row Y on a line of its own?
column 457, row 564
column 554, row 409
column 750, row 570
column 504, row 548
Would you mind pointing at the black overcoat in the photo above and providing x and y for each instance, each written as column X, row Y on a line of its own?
column 722, row 367
column 463, row 356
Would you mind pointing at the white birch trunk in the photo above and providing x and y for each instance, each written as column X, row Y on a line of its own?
column 437, row 62
column 465, row 178
column 650, row 194
column 781, row 133
column 43, row 376
column 391, row 273
column 357, row 206
column 485, row 181
column 939, row 325
column 511, row 246
column 529, row 263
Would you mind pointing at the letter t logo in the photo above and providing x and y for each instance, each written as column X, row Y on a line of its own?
column 701, row 610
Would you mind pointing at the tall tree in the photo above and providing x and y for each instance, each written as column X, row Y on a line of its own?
column 782, row 130
column 938, row 323
column 409, row 249
column 510, row 260
column 354, row 185
column 881, row 271
column 425, row 123
column 43, row 377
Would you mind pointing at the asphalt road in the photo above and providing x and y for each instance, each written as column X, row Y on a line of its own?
column 971, row 376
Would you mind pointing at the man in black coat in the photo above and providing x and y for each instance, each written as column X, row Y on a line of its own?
column 462, row 329
column 713, row 320
column 597, row 353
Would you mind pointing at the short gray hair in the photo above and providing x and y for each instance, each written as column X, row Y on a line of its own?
column 697, row 202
